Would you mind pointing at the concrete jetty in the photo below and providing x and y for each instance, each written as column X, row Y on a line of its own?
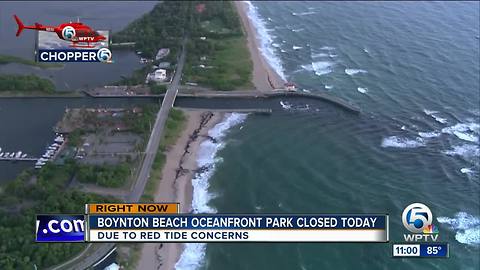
column 18, row 159
column 247, row 94
column 254, row 110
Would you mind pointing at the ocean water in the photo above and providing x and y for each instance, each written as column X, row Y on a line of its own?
column 413, row 68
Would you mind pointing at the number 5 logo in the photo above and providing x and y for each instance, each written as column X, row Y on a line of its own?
column 416, row 217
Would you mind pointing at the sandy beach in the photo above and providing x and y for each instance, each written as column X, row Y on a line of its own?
column 176, row 184
column 180, row 166
column 264, row 77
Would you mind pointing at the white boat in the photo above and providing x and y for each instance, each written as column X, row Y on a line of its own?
column 12, row 155
column 46, row 156
column 19, row 154
column 1, row 154
column 43, row 159
column 38, row 166
column 24, row 155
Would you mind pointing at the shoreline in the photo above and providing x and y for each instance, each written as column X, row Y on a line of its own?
column 264, row 77
column 176, row 183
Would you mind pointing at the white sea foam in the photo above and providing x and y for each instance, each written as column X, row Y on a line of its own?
column 466, row 227
column 400, row 142
column 322, row 67
column 285, row 105
column 276, row 45
column 431, row 134
column 265, row 40
column 308, row 67
column 362, row 90
column 194, row 253
column 352, row 71
column 467, row 151
column 327, row 48
column 464, row 131
column 303, row 13
column 296, row 48
column 297, row 30
column 434, row 115
column 318, row 55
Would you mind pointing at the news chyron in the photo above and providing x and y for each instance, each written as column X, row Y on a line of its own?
column 162, row 222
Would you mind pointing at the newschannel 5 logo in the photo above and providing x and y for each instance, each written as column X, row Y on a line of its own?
column 417, row 218
column 103, row 55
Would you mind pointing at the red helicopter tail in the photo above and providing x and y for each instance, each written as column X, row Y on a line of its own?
column 20, row 25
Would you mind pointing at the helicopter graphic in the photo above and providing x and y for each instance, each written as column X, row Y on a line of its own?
column 75, row 32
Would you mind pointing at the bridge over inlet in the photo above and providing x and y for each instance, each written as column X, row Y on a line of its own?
column 97, row 252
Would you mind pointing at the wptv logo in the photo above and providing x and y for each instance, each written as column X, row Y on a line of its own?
column 417, row 218
column 69, row 42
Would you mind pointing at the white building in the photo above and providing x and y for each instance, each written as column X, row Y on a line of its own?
column 159, row 75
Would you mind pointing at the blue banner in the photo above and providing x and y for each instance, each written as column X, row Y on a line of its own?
column 221, row 221
column 60, row 228
column 434, row 250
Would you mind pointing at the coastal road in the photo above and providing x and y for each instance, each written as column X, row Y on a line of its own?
column 95, row 252
column 157, row 131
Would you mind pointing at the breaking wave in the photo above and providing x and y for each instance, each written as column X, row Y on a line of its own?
column 400, row 142
column 432, row 134
column 351, row 71
column 464, row 131
column 194, row 253
column 303, row 13
column 467, row 151
column 322, row 67
column 265, row 40
column 362, row 90
column 318, row 55
column 466, row 227
column 285, row 105
column 327, row 48
column 434, row 115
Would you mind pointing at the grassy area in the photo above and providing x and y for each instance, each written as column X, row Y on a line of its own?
column 25, row 84
column 163, row 27
column 158, row 89
column 227, row 67
column 218, row 55
column 175, row 124
column 31, row 193
column 104, row 175
column 7, row 59
column 143, row 123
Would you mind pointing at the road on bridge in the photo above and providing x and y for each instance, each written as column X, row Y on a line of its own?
column 95, row 252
